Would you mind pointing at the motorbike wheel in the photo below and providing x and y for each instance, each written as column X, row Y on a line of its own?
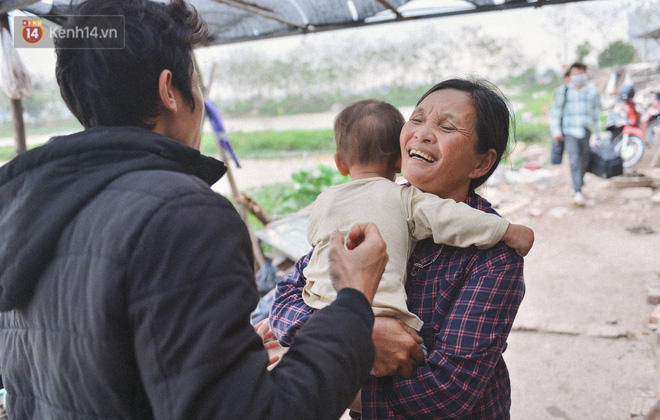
column 632, row 152
column 653, row 132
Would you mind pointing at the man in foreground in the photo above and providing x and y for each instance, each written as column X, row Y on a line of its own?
column 126, row 283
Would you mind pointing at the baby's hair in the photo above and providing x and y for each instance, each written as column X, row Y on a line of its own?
column 367, row 132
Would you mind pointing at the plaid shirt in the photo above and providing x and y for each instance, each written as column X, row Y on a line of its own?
column 581, row 109
column 468, row 299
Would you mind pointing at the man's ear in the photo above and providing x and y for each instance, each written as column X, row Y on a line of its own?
column 341, row 165
column 166, row 96
column 484, row 163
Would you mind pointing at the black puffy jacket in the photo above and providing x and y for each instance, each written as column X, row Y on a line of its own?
column 126, row 286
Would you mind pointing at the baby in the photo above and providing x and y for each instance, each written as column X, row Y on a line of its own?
column 367, row 137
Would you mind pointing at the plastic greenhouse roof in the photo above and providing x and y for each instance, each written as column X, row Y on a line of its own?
column 233, row 21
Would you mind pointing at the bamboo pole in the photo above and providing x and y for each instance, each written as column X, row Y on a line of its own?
column 259, row 259
column 16, row 106
column 19, row 125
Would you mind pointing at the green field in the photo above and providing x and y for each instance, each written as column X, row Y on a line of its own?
column 268, row 144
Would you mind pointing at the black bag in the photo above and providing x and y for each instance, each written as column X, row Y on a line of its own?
column 557, row 152
column 605, row 162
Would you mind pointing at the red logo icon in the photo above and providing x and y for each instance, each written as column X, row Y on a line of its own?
column 32, row 31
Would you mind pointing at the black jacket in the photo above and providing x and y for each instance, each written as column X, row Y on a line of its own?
column 126, row 286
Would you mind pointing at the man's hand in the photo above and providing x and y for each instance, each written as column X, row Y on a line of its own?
column 558, row 138
column 356, row 405
column 396, row 344
column 361, row 263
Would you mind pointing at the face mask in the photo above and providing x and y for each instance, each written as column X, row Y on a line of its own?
column 579, row 79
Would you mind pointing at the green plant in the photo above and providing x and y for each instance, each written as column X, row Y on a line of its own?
column 532, row 97
column 583, row 50
column 309, row 184
column 532, row 132
column 7, row 153
column 281, row 199
column 618, row 52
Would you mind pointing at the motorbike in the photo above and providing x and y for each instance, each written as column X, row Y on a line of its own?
column 623, row 131
column 650, row 123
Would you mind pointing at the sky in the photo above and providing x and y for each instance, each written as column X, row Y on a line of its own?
column 535, row 30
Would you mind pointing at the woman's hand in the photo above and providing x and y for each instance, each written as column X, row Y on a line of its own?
column 397, row 345
column 268, row 337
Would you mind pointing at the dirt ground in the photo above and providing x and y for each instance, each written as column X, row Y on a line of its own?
column 582, row 346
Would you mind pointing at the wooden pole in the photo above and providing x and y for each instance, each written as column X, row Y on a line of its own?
column 19, row 125
column 16, row 107
column 259, row 259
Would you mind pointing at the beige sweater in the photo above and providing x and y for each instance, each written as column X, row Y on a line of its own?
column 404, row 215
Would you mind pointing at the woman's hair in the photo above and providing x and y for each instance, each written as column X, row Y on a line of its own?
column 492, row 118
column 103, row 86
column 368, row 132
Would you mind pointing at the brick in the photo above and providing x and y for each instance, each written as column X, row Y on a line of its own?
column 655, row 315
column 653, row 295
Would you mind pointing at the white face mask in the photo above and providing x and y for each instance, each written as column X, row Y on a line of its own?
column 579, row 79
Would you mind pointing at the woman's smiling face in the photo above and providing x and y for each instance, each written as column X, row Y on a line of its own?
column 438, row 144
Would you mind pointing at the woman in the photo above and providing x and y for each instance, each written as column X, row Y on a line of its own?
column 467, row 298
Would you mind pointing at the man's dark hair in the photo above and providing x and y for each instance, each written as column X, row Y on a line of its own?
column 367, row 132
column 578, row 65
column 493, row 118
column 120, row 86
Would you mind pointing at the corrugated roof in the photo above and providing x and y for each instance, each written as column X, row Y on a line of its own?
column 655, row 34
column 244, row 20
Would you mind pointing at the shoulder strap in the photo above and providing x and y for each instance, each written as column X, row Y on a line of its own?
column 563, row 105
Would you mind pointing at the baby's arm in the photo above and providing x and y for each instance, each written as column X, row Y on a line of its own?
column 519, row 237
column 459, row 225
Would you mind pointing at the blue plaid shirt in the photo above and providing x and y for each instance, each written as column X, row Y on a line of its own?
column 468, row 299
column 581, row 109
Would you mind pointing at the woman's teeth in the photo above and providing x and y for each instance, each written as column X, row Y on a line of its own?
column 414, row 153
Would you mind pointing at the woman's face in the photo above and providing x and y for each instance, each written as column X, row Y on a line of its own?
column 438, row 145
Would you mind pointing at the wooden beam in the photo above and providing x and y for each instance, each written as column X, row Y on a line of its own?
column 9, row 5
column 392, row 8
column 261, row 11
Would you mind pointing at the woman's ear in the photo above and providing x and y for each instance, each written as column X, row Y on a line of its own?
column 397, row 165
column 484, row 163
column 166, row 96
column 341, row 165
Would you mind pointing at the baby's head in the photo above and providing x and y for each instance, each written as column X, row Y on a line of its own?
column 367, row 132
